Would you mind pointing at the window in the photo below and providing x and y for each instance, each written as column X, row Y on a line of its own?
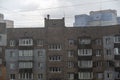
column 117, row 39
column 85, row 75
column 40, row 76
column 98, row 42
column 25, row 64
column 12, row 42
column 117, row 51
column 109, row 75
column 99, row 75
column 25, row 52
column 71, row 42
column 117, row 75
column 70, row 76
column 85, row 64
column 40, row 42
column 70, row 64
column 40, row 53
column 55, row 58
column 117, row 63
column 25, row 42
column 12, row 76
column 55, row 69
column 26, row 75
column 98, row 52
column 85, row 52
column 12, row 54
column 84, row 41
column 71, row 53
column 40, row 65
column 12, row 66
column 98, row 64
column 109, row 63
column 107, row 41
column 55, row 47
column 108, row 52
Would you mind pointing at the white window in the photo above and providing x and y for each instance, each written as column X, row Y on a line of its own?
column 40, row 65
column 25, row 52
column 71, row 53
column 55, row 69
column 117, row 63
column 55, row 47
column 117, row 39
column 12, row 66
column 99, row 75
column 108, row 52
column 12, row 54
column 109, row 75
column 117, row 51
column 40, row 76
column 40, row 42
column 98, row 52
column 84, row 41
column 98, row 42
column 107, row 41
column 12, row 42
column 85, row 64
column 25, row 42
column 85, row 52
column 25, row 64
column 70, row 76
column 40, row 53
column 71, row 42
column 85, row 75
column 98, row 64
column 70, row 64
column 55, row 58
column 25, row 76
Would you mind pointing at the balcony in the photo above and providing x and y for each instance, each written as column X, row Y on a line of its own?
column 25, row 42
column 25, row 65
column 85, row 52
column 85, row 64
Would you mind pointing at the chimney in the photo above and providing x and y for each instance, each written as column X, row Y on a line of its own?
column 48, row 16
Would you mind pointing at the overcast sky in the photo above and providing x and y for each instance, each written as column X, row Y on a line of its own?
column 31, row 13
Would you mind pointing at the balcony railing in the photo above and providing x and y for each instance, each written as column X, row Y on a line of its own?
column 25, row 58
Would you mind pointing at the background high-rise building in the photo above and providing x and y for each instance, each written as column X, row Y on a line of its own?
column 9, row 23
column 97, row 18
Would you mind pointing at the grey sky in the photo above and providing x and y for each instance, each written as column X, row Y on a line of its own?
column 31, row 13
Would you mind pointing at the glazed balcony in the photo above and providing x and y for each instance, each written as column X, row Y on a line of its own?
column 25, row 42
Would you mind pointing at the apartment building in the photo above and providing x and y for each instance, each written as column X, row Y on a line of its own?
column 57, row 52
column 3, row 40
